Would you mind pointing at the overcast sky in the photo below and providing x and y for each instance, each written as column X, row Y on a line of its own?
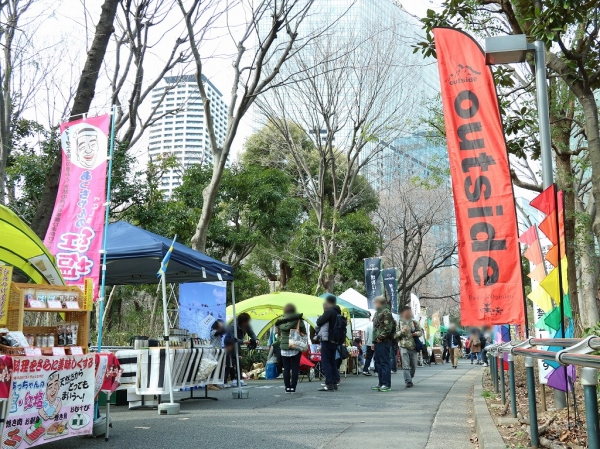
column 73, row 21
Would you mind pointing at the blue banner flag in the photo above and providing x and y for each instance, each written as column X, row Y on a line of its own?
column 165, row 261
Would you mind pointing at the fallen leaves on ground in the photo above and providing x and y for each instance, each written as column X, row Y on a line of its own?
column 565, row 429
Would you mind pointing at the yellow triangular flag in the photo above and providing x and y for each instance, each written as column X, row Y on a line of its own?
column 541, row 298
column 564, row 265
column 550, row 284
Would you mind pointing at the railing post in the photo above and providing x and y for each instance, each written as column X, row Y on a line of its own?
column 511, row 381
column 589, row 380
column 502, row 385
column 491, row 360
column 535, row 438
column 496, row 389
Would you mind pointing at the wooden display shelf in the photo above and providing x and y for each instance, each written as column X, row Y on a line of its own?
column 40, row 309
column 17, row 313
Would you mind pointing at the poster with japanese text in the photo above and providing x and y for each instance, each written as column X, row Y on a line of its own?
column 5, row 278
column 51, row 398
column 76, row 228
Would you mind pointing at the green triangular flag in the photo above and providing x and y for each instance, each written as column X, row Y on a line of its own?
column 552, row 319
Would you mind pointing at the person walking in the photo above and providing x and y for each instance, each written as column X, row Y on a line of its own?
column 486, row 340
column 475, row 345
column 453, row 341
column 384, row 329
column 326, row 325
column 290, row 356
column 408, row 332
column 446, row 353
column 368, row 349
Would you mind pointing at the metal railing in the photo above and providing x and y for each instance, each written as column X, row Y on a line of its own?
column 576, row 351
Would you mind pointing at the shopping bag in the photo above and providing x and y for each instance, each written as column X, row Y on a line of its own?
column 297, row 340
column 271, row 371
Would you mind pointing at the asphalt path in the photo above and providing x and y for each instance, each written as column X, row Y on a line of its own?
column 434, row 414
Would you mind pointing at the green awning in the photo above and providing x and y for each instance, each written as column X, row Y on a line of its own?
column 22, row 248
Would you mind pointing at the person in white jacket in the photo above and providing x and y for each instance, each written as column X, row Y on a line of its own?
column 369, row 352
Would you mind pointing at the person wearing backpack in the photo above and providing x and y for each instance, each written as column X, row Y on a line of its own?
column 384, row 328
column 332, row 322
column 408, row 335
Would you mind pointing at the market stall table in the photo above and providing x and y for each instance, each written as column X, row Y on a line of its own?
column 144, row 371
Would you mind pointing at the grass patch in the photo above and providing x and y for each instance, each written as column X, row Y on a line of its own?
column 488, row 394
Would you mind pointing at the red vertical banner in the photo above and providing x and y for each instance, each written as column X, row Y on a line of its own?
column 491, row 285
column 77, row 224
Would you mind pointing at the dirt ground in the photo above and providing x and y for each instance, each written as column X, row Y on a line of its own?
column 558, row 428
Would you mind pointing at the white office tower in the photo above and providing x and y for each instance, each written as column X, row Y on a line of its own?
column 181, row 129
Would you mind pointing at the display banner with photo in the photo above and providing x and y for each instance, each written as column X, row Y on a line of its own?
column 373, row 280
column 51, row 398
column 415, row 305
column 489, row 258
column 390, row 282
column 200, row 305
column 76, row 228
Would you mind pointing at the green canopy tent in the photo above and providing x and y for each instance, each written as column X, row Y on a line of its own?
column 21, row 248
column 266, row 309
column 353, row 311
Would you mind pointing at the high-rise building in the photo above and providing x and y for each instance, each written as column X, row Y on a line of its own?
column 181, row 129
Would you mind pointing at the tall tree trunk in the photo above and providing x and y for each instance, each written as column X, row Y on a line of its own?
column 588, row 260
column 209, row 196
column 564, row 179
column 592, row 132
column 83, row 99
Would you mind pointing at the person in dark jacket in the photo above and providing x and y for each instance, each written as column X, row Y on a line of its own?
column 291, row 357
column 454, row 343
column 384, row 329
column 328, row 347
column 237, row 336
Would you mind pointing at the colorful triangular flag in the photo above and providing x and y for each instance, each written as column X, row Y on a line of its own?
column 550, row 284
column 529, row 236
column 534, row 253
column 538, row 273
column 548, row 227
column 545, row 201
column 552, row 319
column 541, row 298
column 552, row 255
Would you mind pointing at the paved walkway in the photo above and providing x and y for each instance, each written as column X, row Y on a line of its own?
column 432, row 415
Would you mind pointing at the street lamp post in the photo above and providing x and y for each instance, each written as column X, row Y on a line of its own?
column 511, row 49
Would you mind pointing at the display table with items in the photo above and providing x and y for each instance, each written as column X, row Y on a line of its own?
column 144, row 372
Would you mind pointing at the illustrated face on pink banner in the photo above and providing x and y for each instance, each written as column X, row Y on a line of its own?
column 83, row 143
column 76, row 228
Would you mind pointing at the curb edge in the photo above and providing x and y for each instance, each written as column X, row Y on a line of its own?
column 487, row 432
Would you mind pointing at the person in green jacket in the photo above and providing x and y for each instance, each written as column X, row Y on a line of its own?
column 384, row 328
column 290, row 356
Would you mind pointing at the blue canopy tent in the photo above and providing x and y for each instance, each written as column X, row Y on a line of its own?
column 134, row 255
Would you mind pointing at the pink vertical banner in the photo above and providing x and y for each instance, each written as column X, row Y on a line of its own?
column 77, row 224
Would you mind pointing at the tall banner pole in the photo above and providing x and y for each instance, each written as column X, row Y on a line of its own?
column 105, row 237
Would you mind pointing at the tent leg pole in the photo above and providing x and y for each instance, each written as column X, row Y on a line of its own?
column 240, row 394
column 171, row 408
